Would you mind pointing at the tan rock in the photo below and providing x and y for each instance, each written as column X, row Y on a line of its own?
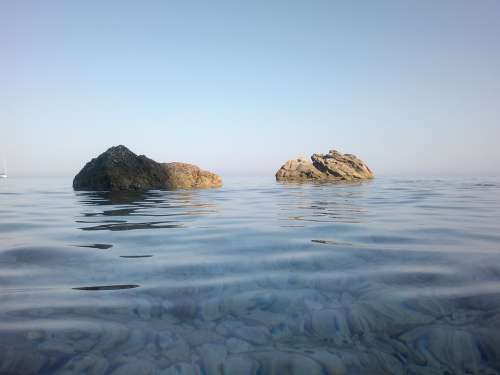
column 183, row 176
column 298, row 169
column 343, row 166
column 333, row 166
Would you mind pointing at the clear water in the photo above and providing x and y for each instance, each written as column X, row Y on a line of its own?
column 392, row 276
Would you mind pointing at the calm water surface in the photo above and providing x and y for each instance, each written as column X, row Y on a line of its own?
column 392, row 276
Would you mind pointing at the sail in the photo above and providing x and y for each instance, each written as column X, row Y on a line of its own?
column 3, row 172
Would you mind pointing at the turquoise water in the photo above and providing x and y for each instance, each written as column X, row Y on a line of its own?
column 391, row 276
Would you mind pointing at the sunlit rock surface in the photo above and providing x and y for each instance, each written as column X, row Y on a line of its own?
column 183, row 175
column 333, row 166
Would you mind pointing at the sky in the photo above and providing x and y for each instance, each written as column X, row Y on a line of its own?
column 238, row 87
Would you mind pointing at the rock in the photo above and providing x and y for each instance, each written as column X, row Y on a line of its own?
column 343, row 166
column 183, row 175
column 236, row 345
column 136, row 366
column 35, row 335
column 443, row 346
column 182, row 369
column 280, row 362
column 333, row 166
column 297, row 170
column 213, row 357
column 254, row 334
column 88, row 364
column 22, row 360
column 239, row 364
column 120, row 169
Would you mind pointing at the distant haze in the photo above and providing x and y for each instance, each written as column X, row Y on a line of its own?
column 238, row 87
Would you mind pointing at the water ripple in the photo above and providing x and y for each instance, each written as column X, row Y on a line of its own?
column 393, row 276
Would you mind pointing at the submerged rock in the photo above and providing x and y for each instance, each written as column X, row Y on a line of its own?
column 120, row 169
column 333, row 166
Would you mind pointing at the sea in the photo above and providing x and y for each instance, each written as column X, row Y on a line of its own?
column 389, row 276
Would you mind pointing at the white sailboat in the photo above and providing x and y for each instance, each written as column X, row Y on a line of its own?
column 3, row 174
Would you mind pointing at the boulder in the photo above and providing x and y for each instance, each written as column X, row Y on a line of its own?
column 333, row 166
column 183, row 175
column 298, row 169
column 120, row 169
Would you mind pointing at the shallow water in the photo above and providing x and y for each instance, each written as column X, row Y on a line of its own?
column 391, row 276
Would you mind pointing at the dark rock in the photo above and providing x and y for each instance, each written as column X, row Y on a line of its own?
column 120, row 169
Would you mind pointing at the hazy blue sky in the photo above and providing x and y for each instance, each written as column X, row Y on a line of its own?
column 412, row 87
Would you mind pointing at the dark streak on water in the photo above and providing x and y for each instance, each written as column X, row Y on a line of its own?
column 393, row 276
column 101, row 246
column 107, row 287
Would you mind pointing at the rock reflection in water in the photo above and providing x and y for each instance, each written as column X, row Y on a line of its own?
column 131, row 206
column 277, row 279
column 101, row 246
column 106, row 287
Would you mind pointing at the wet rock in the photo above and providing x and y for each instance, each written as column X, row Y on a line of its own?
column 372, row 362
column 332, row 363
column 137, row 340
column 213, row 357
column 55, row 348
column 258, row 335
column 200, row 335
column 314, row 301
column 180, row 352
column 166, row 340
column 333, row 166
column 120, row 169
column 212, row 309
column 239, row 364
column 287, row 363
column 136, row 367
column 235, row 345
column 489, row 342
column 35, row 335
column 89, row 364
column 332, row 324
column 255, row 334
column 182, row 369
column 183, row 310
column 84, row 345
column 444, row 346
column 21, row 361
column 112, row 337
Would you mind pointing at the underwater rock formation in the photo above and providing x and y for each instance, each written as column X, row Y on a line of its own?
column 333, row 166
column 120, row 169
